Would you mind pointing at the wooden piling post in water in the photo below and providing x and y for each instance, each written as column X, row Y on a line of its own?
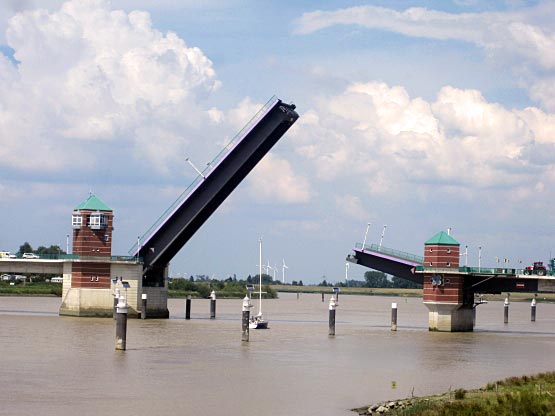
column 506, row 310
column 394, row 317
column 332, row 307
column 533, row 308
column 188, row 307
column 246, row 318
column 121, row 324
column 143, row 306
column 213, row 305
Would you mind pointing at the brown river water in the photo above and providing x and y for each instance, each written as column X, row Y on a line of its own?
column 52, row 365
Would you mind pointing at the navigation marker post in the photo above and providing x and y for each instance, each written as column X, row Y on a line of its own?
column 394, row 316
column 213, row 305
column 121, row 324
column 188, row 307
column 247, row 304
column 506, row 310
column 332, row 307
column 116, row 298
column 143, row 306
column 533, row 308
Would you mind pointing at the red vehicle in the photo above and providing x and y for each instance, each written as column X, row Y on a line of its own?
column 538, row 268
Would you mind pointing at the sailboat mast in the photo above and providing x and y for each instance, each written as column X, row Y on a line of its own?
column 260, row 278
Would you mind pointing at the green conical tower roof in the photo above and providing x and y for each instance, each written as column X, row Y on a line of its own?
column 93, row 203
column 442, row 238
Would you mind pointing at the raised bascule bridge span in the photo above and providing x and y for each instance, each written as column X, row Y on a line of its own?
column 387, row 260
column 197, row 203
column 449, row 289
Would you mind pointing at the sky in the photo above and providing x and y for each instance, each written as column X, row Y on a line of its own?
column 418, row 115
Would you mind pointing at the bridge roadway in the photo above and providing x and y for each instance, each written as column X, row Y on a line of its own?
column 33, row 266
column 481, row 280
column 56, row 266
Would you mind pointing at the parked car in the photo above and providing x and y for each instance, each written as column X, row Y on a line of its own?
column 30, row 256
column 7, row 255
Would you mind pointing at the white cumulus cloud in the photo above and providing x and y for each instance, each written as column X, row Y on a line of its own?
column 379, row 136
column 86, row 73
column 521, row 39
column 273, row 180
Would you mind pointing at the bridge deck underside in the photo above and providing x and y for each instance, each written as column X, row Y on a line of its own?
column 387, row 264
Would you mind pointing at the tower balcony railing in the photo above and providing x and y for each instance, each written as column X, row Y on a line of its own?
column 485, row 271
column 391, row 252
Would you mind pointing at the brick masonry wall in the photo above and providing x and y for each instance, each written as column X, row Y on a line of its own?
column 93, row 275
column 89, row 242
column 443, row 256
column 451, row 291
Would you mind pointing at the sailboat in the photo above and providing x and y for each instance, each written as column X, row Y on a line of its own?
column 258, row 321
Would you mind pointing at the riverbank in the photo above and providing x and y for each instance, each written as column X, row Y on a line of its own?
column 234, row 290
column 526, row 395
column 365, row 291
column 31, row 289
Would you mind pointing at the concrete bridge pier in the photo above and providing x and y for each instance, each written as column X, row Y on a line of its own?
column 450, row 303
column 450, row 317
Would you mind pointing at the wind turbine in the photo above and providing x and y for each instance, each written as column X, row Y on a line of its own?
column 283, row 267
column 268, row 268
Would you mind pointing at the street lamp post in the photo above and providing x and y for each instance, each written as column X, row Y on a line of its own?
column 465, row 254
column 479, row 259
column 381, row 239
column 365, row 235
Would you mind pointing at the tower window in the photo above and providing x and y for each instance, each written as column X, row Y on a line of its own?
column 431, row 264
column 448, row 264
column 97, row 221
column 76, row 221
column 431, row 250
column 448, row 250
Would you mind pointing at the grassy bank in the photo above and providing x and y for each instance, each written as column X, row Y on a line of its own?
column 527, row 395
column 351, row 290
column 31, row 289
column 180, row 288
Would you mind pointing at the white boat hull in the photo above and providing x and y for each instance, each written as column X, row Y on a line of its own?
column 258, row 322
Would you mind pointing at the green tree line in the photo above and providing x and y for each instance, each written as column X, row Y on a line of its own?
column 27, row 248
column 376, row 279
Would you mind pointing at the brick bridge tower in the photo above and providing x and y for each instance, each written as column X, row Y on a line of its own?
column 449, row 302
column 92, row 275
column 92, row 239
